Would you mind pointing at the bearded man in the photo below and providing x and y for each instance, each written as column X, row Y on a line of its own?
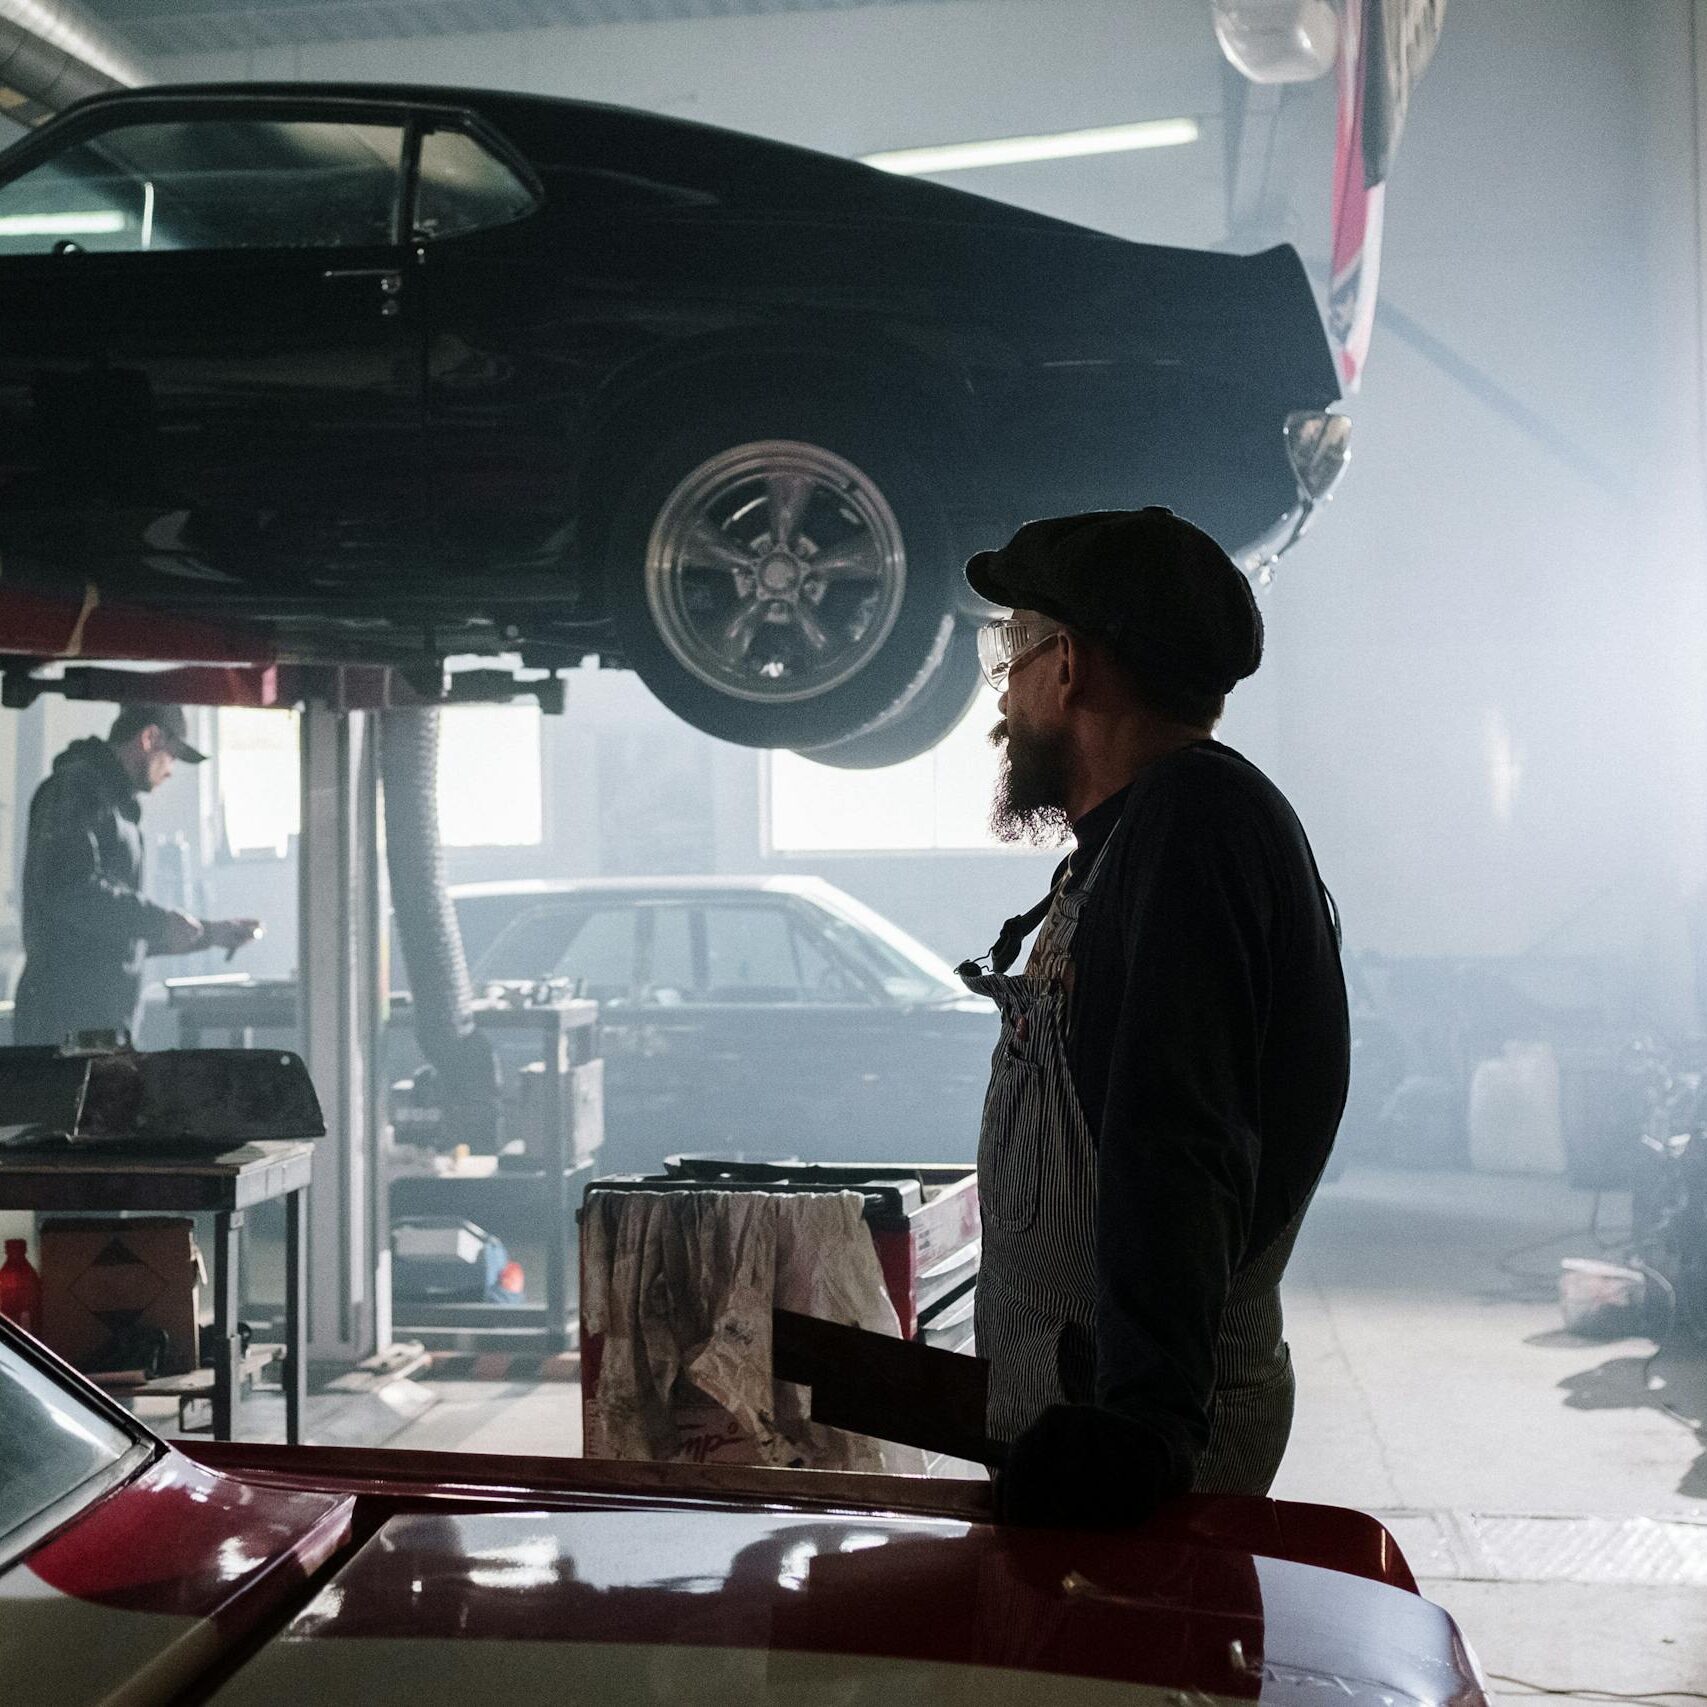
column 1173, row 1060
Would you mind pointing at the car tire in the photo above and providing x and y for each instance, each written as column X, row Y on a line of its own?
column 799, row 641
column 938, row 707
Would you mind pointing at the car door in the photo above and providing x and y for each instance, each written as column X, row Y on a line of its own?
column 754, row 1036
column 210, row 357
column 502, row 380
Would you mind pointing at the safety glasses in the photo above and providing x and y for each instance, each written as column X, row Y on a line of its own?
column 1001, row 645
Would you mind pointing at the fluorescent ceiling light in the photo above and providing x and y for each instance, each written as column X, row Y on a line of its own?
column 1016, row 150
column 60, row 224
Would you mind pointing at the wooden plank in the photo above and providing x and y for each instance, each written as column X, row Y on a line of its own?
column 891, row 1389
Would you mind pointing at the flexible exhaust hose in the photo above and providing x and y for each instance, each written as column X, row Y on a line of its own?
column 427, row 929
column 53, row 53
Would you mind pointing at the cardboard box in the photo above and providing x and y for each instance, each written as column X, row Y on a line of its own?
column 109, row 1285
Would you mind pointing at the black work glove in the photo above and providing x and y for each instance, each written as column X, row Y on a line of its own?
column 1085, row 1468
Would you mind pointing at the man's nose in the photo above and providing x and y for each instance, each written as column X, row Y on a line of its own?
column 1002, row 704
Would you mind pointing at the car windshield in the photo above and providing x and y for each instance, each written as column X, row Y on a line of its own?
column 906, row 969
column 52, row 1446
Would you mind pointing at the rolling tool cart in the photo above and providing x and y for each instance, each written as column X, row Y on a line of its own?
column 516, row 1184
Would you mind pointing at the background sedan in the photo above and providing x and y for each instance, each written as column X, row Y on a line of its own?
column 772, row 1016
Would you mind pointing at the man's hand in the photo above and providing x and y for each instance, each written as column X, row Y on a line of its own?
column 180, row 934
column 230, row 934
column 1079, row 1467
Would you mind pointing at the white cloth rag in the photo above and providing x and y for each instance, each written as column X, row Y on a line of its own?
column 681, row 1285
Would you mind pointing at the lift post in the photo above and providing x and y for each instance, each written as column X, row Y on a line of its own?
column 342, row 917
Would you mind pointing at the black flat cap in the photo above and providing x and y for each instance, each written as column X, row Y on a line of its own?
column 1161, row 592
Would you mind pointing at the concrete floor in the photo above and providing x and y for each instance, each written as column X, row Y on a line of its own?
column 1440, row 1393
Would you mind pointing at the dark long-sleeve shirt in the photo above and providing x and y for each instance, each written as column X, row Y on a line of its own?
column 87, row 926
column 1207, row 1038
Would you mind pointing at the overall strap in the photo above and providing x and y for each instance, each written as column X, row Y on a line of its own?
column 1005, row 950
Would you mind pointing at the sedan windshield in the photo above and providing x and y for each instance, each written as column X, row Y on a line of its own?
column 52, row 1445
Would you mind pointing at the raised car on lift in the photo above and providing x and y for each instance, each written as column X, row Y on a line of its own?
column 388, row 373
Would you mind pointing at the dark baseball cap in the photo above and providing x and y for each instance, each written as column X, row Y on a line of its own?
column 168, row 719
column 1159, row 591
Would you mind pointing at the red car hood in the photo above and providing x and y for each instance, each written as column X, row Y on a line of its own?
column 701, row 1605
column 333, row 1576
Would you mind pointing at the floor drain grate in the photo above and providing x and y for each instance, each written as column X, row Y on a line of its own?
column 1483, row 1547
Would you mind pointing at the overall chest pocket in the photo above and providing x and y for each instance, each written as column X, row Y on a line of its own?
column 1011, row 1141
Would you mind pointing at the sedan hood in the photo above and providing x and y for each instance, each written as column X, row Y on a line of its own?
column 763, row 1606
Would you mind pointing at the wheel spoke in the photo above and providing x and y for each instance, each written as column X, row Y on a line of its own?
column 706, row 543
column 857, row 560
column 786, row 495
column 816, row 638
column 736, row 641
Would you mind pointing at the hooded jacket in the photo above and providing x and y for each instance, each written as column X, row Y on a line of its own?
column 87, row 928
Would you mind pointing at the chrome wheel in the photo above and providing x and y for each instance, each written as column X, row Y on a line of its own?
column 775, row 571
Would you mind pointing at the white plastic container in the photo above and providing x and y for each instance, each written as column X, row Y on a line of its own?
column 1515, row 1125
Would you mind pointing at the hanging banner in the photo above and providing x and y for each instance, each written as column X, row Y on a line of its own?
column 1400, row 38
column 1385, row 46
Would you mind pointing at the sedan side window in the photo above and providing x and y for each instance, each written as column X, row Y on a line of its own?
column 669, row 973
column 600, row 955
column 463, row 186
column 756, row 954
column 213, row 183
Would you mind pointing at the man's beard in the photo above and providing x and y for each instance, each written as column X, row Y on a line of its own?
column 1029, row 790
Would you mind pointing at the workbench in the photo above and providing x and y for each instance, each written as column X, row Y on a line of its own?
column 109, row 1179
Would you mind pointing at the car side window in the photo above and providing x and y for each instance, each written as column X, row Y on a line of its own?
column 463, row 186
column 210, row 184
column 758, row 954
column 669, row 973
column 600, row 956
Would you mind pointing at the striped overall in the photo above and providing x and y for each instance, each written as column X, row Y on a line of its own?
column 1037, row 1184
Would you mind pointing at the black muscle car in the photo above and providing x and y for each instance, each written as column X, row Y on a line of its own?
column 385, row 374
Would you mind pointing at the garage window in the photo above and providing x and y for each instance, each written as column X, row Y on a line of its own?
column 940, row 800
column 214, row 183
column 489, row 777
column 490, row 792
column 463, row 186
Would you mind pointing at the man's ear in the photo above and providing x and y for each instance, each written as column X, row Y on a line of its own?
column 1070, row 667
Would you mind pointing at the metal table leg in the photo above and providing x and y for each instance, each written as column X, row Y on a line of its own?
column 227, row 1339
column 558, row 1217
column 296, row 1318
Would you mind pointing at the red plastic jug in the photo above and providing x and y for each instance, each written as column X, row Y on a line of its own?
column 20, row 1288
